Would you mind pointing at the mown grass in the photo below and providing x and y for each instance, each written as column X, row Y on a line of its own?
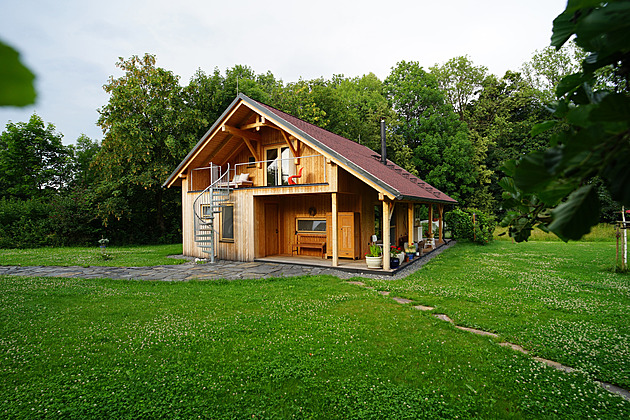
column 310, row 347
column 561, row 301
column 131, row 256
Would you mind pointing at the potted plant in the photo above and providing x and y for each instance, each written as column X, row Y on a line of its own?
column 394, row 260
column 410, row 251
column 374, row 258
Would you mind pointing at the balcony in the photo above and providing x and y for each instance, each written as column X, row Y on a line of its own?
column 274, row 173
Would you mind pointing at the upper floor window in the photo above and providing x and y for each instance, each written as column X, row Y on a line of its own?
column 280, row 166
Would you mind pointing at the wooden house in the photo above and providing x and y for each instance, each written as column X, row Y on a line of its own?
column 261, row 182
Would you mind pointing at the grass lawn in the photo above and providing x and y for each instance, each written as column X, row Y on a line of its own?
column 318, row 347
column 132, row 256
column 561, row 301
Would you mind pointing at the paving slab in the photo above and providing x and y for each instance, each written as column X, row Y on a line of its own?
column 357, row 283
column 555, row 365
column 423, row 308
column 443, row 317
column 515, row 347
column 402, row 301
column 476, row 331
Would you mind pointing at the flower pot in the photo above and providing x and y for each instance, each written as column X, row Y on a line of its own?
column 410, row 256
column 401, row 257
column 374, row 262
column 394, row 262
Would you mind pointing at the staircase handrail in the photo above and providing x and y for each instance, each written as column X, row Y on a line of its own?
column 224, row 178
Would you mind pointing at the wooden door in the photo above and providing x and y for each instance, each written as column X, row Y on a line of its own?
column 271, row 229
column 346, row 234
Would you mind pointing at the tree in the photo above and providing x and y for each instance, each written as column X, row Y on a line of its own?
column 148, row 129
column 550, row 189
column 33, row 160
column 442, row 151
column 460, row 81
column 548, row 66
column 499, row 122
column 83, row 154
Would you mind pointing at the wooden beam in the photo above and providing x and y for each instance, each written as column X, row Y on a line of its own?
column 295, row 153
column 241, row 133
column 260, row 122
column 219, row 147
column 430, row 219
column 334, row 228
column 251, row 148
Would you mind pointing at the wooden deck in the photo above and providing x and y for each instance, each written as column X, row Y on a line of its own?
column 355, row 266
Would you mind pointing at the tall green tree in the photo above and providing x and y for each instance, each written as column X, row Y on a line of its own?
column 148, row 129
column 548, row 66
column 442, row 151
column 33, row 160
column 460, row 81
column 502, row 117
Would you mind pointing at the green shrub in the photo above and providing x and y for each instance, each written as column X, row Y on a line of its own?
column 471, row 224
column 51, row 221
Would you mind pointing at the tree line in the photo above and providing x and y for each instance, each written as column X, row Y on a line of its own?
column 453, row 124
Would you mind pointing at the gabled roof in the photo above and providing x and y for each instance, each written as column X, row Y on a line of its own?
column 357, row 159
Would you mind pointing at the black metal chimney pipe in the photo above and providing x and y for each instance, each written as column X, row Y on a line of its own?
column 383, row 145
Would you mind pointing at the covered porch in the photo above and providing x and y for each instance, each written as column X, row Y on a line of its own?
column 350, row 265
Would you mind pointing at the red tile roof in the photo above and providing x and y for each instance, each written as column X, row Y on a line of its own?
column 401, row 181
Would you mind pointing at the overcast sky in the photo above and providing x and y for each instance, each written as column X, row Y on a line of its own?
column 72, row 46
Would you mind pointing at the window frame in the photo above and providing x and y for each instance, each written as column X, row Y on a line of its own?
column 297, row 220
column 222, row 221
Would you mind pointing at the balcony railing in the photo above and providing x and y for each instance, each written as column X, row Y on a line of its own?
column 265, row 173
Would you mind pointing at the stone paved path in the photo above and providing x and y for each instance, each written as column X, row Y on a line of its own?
column 190, row 270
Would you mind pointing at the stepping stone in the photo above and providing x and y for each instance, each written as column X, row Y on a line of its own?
column 443, row 317
column 423, row 308
column 514, row 347
column 358, row 283
column 383, row 292
column 402, row 301
column 555, row 365
column 476, row 331
column 623, row 393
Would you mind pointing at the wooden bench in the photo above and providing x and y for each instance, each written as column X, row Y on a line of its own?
column 309, row 241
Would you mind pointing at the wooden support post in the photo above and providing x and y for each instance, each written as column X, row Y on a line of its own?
column 430, row 219
column 441, row 225
column 334, row 229
column 386, row 239
column 410, row 222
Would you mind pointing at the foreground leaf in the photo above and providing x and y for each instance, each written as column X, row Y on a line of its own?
column 16, row 81
column 574, row 218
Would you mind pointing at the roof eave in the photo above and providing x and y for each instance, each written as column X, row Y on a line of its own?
column 425, row 199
